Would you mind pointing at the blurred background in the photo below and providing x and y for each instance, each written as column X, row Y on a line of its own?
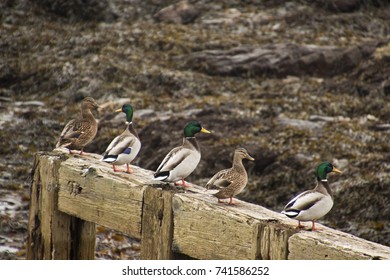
column 295, row 82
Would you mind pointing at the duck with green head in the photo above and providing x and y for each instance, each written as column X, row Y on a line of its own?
column 313, row 204
column 181, row 161
column 125, row 147
column 78, row 133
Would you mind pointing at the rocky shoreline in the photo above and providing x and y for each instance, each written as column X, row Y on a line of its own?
column 295, row 82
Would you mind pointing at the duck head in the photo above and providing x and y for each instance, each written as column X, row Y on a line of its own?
column 89, row 103
column 242, row 153
column 323, row 169
column 193, row 128
column 128, row 110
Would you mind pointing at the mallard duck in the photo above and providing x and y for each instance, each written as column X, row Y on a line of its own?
column 233, row 180
column 78, row 133
column 181, row 161
column 125, row 147
column 313, row 204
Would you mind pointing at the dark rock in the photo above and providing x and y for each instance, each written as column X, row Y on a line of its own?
column 369, row 78
column 278, row 60
column 78, row 10
column 386, row 87
column 343, row 6
column 376, row 207
column 8, row 75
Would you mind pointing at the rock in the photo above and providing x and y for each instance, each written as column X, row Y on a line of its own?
column 179, row 13
column 370, row 76
column 278, row 60
column 146, row 113
column 301, row 124
column 8, row 74
column 381, row 127
column 33, row 103
column 343, row 6
column 341, row 164
column 78, row 10
column 316, row 118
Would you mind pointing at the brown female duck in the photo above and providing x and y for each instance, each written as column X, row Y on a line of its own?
column 231, row 181
column 78, row 133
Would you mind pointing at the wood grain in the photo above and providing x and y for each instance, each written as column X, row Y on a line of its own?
column 157, row 225
column 53, row 234
column 89, row 190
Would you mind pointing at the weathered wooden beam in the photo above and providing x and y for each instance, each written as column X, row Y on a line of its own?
column 91, row 191
column 330, row 244
column 52, row 233
column 170, row 223
column 157, row 225
column 241, row 231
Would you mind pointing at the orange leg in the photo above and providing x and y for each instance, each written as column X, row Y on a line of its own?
column 299, row 225
column 114, row 167
column 128, row 170
column 231, row 201
column 183, row 183
column 313, row 225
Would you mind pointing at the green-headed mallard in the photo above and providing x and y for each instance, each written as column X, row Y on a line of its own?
column 313, row 204
column 231, row 181
column 181, row 161
column 125, row 147
column 78, row 133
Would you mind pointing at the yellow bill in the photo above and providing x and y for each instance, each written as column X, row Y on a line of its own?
column 336, row 170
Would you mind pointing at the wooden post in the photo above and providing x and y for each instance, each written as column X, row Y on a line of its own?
column 157, row 225
column 53, row 234
column 84, row 240
column 273, row 241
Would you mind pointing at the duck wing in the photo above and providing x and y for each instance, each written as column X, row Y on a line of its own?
column 303, row 201
column 120, row 145
column 71, row 131
column 220, row 180
column 173, row 159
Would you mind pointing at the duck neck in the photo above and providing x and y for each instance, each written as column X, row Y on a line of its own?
column 130, row 128
column 237, row 163
column 87, row 114
column 323, row 187
column 191, row 143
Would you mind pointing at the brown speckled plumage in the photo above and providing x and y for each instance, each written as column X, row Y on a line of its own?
column 231, row 181
column 77, row 133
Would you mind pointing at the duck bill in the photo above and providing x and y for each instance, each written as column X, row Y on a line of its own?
column 118, row 110
column 249, row 157
column 204, row 130
column 336, row 170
